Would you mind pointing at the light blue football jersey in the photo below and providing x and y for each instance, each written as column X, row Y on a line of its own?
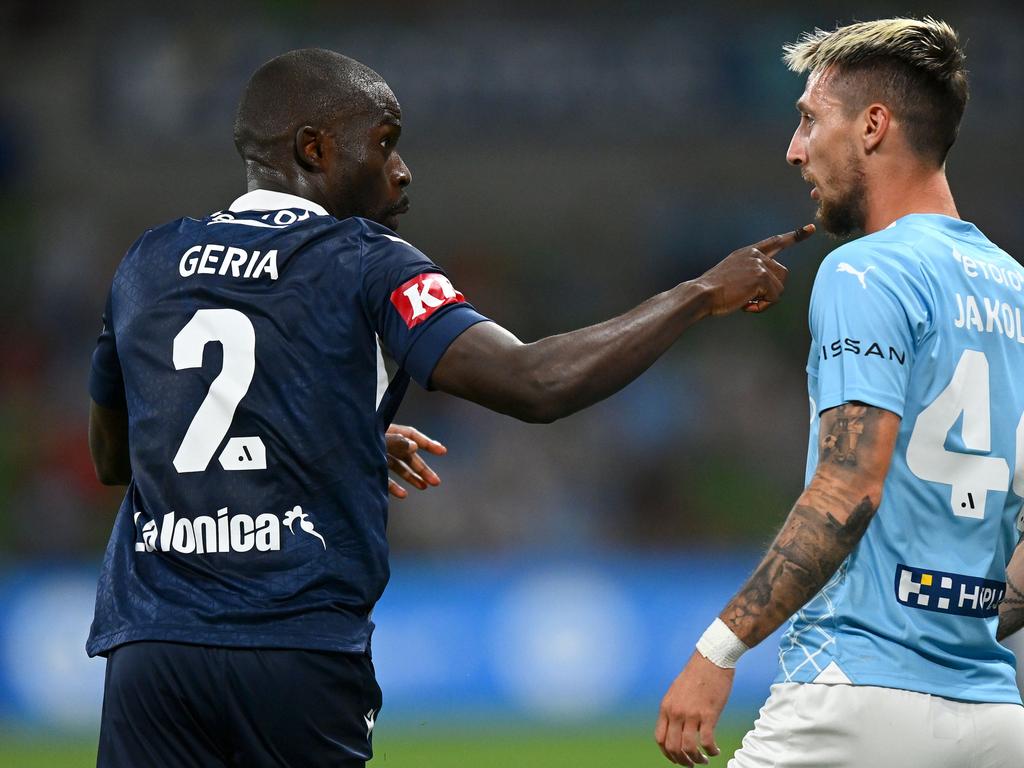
column 924, row 319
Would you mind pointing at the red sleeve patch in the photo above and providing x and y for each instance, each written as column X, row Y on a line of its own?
column 417, row 299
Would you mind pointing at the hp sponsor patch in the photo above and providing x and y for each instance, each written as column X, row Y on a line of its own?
column 948, row 592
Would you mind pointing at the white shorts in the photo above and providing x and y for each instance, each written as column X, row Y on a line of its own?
column 812, row 725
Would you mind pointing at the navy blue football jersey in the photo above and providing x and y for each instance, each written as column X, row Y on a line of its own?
column 248, row 348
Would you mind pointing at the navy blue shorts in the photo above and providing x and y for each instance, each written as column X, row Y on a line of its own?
column 170, row 705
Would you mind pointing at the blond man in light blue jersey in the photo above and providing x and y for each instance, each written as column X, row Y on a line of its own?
column 896, row 567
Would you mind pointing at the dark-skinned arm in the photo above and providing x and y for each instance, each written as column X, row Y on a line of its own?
column 559, row 375
column 1011, row 609
column 108, row 444
column 855, row 447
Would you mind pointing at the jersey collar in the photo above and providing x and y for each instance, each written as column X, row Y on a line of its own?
column 267, row 200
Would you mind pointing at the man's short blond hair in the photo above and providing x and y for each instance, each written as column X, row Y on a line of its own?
column 914, row 66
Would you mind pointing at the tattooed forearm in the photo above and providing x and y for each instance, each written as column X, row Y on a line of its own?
column 808, row 550
column 1011, row 609
column 855, row 447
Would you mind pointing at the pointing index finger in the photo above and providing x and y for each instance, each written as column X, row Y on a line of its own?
column 771, row 246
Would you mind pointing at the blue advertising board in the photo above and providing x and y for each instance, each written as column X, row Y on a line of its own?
column 515, row 638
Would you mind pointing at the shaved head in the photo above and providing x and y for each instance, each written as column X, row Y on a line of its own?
column 322, row 126
column 311, row 86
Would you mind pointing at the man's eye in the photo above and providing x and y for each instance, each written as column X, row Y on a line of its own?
column 808, row 118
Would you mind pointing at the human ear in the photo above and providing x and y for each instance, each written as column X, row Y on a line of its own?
column 309, row 147
column 877, row 118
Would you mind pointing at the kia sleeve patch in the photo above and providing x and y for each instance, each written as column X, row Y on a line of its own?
column 419, row 298
column 415, row 309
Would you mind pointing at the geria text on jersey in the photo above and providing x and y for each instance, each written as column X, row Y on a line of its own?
column 220, row 259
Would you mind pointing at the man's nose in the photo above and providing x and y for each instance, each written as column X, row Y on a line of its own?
column 401, row 175
column 796, row 155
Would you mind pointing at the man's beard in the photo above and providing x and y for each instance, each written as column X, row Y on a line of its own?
column 847, row 213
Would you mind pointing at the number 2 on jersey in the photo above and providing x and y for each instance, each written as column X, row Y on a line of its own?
column 211, row 422
column 971, row 476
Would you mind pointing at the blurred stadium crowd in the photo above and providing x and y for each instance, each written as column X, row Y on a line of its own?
column 567, row 164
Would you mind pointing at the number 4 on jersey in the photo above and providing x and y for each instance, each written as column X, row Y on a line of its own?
column 971, row 475
column 213, row 419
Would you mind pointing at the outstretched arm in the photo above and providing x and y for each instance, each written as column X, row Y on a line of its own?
column 108, row 444
column 1011, row 609
column 855, row 447
column 559, row 375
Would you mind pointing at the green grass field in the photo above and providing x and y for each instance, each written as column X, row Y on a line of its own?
column 608, row 747
column 489, row 747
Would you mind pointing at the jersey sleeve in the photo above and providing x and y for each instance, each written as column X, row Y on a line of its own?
column 106, row 382
column 864, row 316
column 413, row 306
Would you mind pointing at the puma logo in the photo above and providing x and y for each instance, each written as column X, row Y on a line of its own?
column 844, row 267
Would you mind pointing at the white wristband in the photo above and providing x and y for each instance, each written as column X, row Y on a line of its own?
column 720, row 646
